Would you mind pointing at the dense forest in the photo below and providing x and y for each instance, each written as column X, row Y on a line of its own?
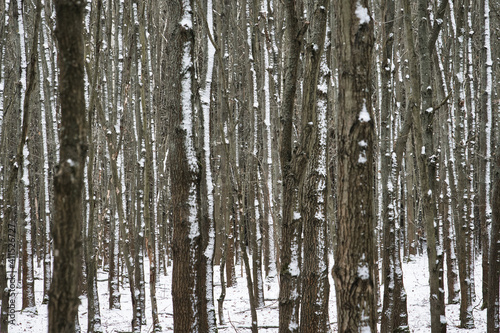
column 301, row 140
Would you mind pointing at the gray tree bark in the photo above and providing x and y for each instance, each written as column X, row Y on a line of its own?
column 291, row 226
column 311, row 172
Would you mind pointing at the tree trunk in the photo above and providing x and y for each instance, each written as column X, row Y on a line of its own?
column 13, row 140
column 423, row 132
column 394, row 312
column 462, row 220
column 484, row 155
column 354, row 268
column 312, row 187
column 47, row 64
column 94, row 314
column 28, row 173
column 291, row 227
column 189, row 275
column 493, row 324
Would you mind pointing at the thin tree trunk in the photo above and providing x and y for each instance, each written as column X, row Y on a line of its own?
column 421, row 90
column 484, row 155
column 493, row 324
column 246, row 262
column 12, row 143
column 390, row 313
column 448, row 195
column 291, row 226
column 315, row 285
column 48, row 113
column 33, row 200
column 94, row 313
column 259, row 104
column 149, row 231
column 462, row 220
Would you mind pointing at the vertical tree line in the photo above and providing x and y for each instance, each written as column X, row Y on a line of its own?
column 300, row 140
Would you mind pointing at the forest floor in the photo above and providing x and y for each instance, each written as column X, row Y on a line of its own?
column 236, row 305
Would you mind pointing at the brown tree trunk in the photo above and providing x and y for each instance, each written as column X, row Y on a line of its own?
column 187, row 174
column 47, row 64
column 13, row 140
column 291, row 226
column 420, row 105
column 462, row 214
column 447, row 196
column 493, row 324
column 394, row 312
column 354, row 267
column 94, row 314
column 30, row 169
column 483, row 156
column 68, row 180
column 313, row 199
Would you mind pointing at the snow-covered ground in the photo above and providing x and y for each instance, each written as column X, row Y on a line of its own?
column 236, row 306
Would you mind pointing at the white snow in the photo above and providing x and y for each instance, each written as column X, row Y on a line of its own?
column 237, row 309
column 363, row 271
column 194, row 229
column 22, row 43
column 362, row 158
column 186, row 21
column 488, row 90
column 187, row 111
column 364, row 116
column 362, row 13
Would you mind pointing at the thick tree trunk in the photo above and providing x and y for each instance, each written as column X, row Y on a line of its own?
column 68, row 180
column 354, row 266
column 190, row 273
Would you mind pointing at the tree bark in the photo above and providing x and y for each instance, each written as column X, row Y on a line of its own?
column 312, row 187
column 291, row 226
column 189, row 274
column 484, row 154
column 354, row 268
column 492, row 314
column 422, row 113
column 394, row 312
column 68, row 180
column 94, row 314
column 462, row 214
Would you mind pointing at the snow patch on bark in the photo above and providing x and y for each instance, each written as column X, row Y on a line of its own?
column 362, row 13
